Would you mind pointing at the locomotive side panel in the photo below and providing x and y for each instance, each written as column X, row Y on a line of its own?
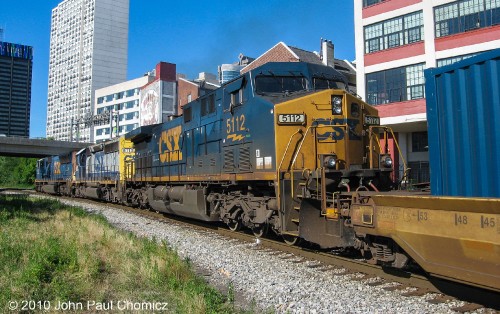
column 248, row 133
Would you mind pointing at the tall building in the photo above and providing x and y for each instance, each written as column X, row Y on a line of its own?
column 227, row 72
column 88, row 50
column 16, row 62
column 396, row 40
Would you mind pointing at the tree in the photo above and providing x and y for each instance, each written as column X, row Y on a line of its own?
column 17, row 171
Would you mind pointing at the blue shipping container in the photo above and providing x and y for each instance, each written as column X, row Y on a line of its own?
column 463, row 116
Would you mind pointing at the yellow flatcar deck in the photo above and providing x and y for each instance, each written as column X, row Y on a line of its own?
column 450, row 237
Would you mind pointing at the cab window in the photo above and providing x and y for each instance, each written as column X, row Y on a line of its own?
column 272, row 84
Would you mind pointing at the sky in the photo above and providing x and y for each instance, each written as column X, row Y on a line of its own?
column 195, row 35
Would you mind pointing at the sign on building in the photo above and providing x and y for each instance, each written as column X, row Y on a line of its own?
column 157, row 102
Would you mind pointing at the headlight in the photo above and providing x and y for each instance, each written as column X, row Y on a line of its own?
column 330, row 161
column 336, row 105
column 386, row 161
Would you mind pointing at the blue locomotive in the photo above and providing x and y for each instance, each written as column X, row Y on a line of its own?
column 252, row 150
column 274, row 149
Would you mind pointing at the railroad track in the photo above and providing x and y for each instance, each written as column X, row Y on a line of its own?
column 410, row 284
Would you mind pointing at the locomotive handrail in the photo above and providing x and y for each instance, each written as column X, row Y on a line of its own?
column 286, row 150
column 399, row 149
column 294, row 159
column 385, row 128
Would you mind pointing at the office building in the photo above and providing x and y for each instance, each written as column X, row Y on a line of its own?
column 88, row 51
column 16, row 63
column 230, row 71
column 146, row 100
column 396, row 40
column 116, row 110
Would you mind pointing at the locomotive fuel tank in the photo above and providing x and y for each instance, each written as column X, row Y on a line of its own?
column 93, row 192
column 181, row 201
column 50, row 189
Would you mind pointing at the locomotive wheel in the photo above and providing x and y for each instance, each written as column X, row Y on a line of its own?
column 291, row 239
column 260, row 231
column 234, row 225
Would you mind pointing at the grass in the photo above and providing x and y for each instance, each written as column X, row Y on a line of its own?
column 17, row 186
column 51, row 252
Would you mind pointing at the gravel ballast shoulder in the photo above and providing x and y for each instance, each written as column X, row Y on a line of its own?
column 266, row 279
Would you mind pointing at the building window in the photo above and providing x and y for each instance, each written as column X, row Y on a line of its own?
column 367, row 3
column 419, row 142
column 130, row 116
column 130, row 93
column 189, row 98
column 395, row 32
column 395, row 85
column 100, row 100
column 448, row 61
column 465, row 15
column 419, row 172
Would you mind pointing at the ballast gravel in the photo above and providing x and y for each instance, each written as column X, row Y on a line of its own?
column 266, row 280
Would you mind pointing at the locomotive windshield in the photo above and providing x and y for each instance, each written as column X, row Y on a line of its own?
column 320, row 83
column 271, row 84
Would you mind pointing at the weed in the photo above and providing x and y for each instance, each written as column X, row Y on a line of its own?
column 51, row 252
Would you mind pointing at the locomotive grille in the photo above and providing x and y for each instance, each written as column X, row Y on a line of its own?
column 228, row 160
column 245, row 165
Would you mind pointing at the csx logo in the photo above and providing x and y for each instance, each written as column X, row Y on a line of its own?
column 337, row 132
column 169, row 147
column 57, row 167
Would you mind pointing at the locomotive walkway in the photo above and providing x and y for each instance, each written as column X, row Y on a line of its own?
column 25, row 147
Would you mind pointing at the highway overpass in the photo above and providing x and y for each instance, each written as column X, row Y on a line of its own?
column 25, row 147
